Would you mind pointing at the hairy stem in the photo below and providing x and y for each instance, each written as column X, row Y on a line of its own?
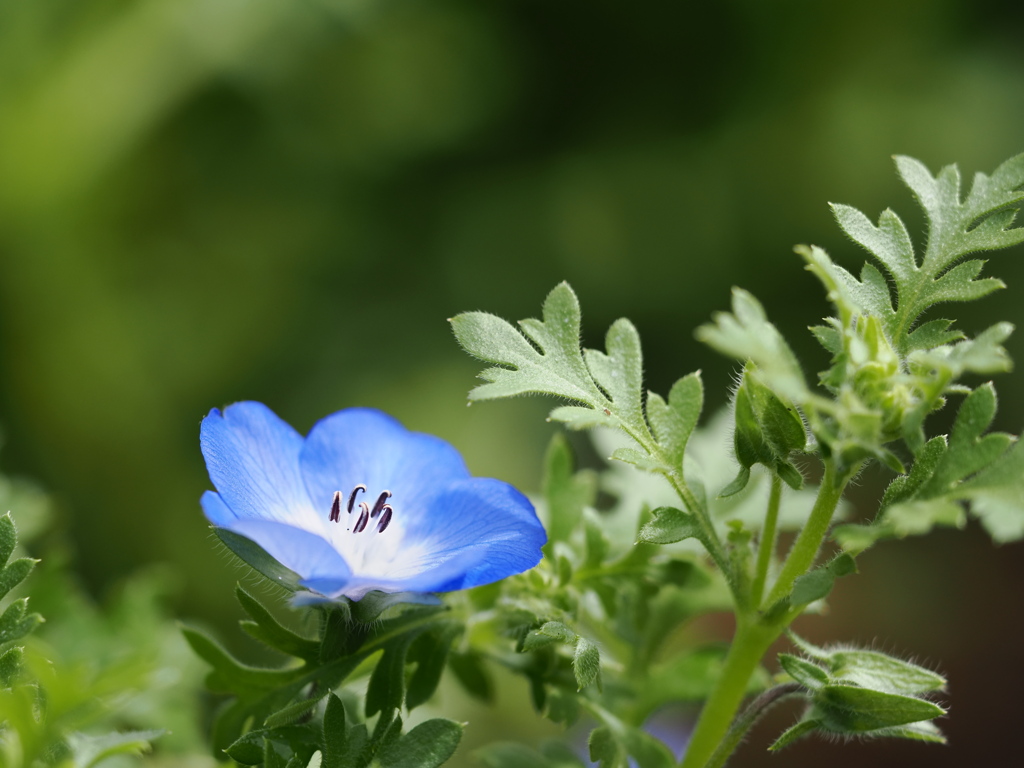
column 749, row 716
column 767, row 544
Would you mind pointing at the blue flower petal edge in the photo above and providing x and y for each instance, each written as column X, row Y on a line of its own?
column 362, row 504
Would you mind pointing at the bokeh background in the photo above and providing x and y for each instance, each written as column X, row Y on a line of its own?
column 203, row 201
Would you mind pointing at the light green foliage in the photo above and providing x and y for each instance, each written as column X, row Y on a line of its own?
column 891, row 368
column 863, row 693
column 61, row 694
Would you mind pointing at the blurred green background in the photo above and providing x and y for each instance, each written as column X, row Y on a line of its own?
column 203, row 201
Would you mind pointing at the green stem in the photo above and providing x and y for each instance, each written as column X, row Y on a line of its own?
column 748, row 647
column 754, row 635
column 805, row 549
column 767, row 545
column 746, row 720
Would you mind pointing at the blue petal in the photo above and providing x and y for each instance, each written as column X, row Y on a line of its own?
column 364, row 446
column 217, row 512
column 253, row 460
column 307, row 554
column 474, row 532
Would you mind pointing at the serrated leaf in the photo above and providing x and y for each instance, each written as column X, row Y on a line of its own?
column 996, row 495
column 620, row 372
column 586, row 664
column 555, row 366
column 746, row 334
column 673, row 422
column 428, row 745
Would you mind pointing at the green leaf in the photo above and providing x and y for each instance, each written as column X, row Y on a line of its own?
column 428, row 745
column 620, row 372
column 669, row 526
column 91, row 750
column 746, row 334
column 469, row 670
column 8, row 538
column 267, row 629
column 567, row 492
column 673, row 422
column 804, row 672
column 10, row 665
column 605, row 749
column 293, row 711
column 254, row 555
column 386, row 690
column 237, row 677
column 586, row 664
column 335, row 733
column 996, row 495
column 555, row 366
column 852, row 709
column 15, row 624
column 430, row 653
column 955, row 229
column 549, row 633
column 881, row 672
column 16, row 572
column 816, row 584
column 798, row 731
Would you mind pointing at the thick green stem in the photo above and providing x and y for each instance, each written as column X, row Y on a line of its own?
column 754, row 635
column 748, row 647
column 805, row 549
column 767, row 545
column 751, row 715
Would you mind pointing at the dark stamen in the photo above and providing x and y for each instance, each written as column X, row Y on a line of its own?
column 352, row 496
column 385, row 518
column 380, row 504
column 336, row 508
column 364, row 517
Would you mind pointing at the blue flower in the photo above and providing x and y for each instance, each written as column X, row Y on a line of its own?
column 363, row 504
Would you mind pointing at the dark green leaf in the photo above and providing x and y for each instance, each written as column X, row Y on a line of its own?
column 8, row 538
column 470, row 672
column 852, row 709
column 428, row 745
column 605, row 749
column 15, row 573
column 429, row 652
column 790, row 735
column 254, row 555
column 10, row 665
column 267, row 629
column 335, row 733
column 15, row 624
column 239, row 678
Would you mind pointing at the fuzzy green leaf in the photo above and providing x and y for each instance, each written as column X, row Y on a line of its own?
column 673, row 422
column 555, row 366
column 669, row 526
column 8, row 538
column 851, row 709
column 16, row 622
column 804, row 672
column 586, row 664
column 746, row 334
column 90, row 750
column 14, row 573
column 881, row 672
